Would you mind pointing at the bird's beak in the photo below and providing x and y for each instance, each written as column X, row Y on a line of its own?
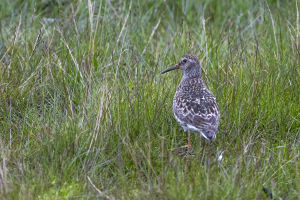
column 170, row 69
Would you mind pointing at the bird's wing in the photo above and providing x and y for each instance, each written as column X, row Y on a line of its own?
column 200, row 110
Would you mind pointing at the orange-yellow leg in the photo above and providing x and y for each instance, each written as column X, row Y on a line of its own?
column 187, row 135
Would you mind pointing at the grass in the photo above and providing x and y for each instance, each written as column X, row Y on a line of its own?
column 85, row 113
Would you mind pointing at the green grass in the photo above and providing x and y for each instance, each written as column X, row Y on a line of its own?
column 85, row 113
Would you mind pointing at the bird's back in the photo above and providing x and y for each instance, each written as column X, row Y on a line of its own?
column 196, row 108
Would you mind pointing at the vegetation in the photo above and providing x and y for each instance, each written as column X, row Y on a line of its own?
column 85, row 113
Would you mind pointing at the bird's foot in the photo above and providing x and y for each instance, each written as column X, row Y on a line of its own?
column 188, row 145
column 184, row 151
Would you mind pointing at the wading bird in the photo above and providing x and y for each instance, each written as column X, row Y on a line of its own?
column 194, row 106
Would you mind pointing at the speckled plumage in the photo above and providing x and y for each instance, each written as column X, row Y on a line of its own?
column 194, row 106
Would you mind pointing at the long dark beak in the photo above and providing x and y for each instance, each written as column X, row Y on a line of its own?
column 170, row 69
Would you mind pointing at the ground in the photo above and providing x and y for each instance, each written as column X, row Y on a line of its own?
column 85, row 113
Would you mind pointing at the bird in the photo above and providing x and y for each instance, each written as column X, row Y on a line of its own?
column 194, row 106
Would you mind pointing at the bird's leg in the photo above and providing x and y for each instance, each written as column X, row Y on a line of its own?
column 187, row 135
column 186, row 150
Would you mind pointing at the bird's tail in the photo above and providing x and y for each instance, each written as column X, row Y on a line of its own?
column 208, row 134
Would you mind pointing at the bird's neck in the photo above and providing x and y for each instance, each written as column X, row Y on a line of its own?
column 193, row 73
column 187, row 81
column 191, row 77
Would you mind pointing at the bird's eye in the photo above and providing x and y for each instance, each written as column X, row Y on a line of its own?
column 184, row 60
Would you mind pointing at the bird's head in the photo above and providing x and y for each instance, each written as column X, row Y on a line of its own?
column 189, row 64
